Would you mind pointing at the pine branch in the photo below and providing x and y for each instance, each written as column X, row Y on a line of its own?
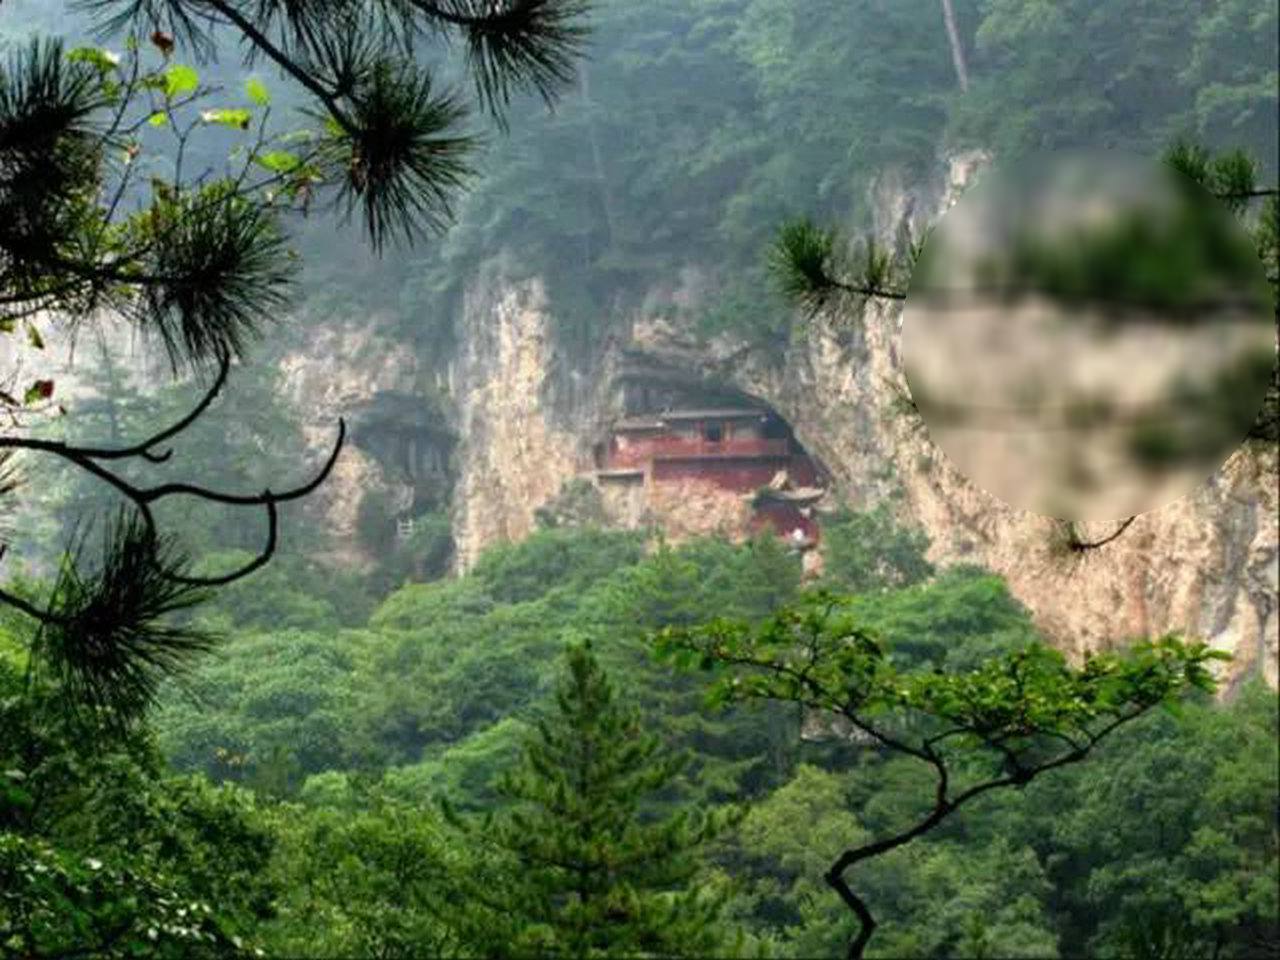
column 295, row 69
column 515, row 44
column 401, row 162
column 145, row 448
column 1012, row 708
column 804, row 267
column 1076, row 544
column 106, row 635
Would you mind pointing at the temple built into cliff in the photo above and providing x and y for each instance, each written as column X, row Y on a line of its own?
column 743, row 450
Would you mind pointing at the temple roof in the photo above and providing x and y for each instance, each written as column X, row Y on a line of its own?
column 660, row 421
column 715, row 413
column 639, row 423
column 800, row 495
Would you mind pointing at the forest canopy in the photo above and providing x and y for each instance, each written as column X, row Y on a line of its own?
column 345, row 756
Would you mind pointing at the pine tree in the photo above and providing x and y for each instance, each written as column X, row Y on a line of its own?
column 595, row 873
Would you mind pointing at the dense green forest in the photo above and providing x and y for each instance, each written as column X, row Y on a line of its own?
column 320, row 788
column 595, row 742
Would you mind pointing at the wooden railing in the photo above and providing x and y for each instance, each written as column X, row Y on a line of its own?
column 677, row 448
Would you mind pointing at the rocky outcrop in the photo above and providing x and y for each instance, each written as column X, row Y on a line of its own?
column 1206, row 565
column 372, row 363
column 513, row 456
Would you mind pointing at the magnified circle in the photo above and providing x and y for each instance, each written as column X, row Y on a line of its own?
column 1088, row 336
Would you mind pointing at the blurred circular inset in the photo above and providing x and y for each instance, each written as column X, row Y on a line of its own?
column 1088, row 336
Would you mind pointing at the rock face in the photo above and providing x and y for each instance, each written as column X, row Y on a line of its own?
column 527, row 421
column 312, row 382
column 524, row 421
column 514, row 455
column 1207, row 565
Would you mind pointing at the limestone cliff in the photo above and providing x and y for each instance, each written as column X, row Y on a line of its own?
column 514, row 454
column 497, row 429
column 1208, row 564
column 312, row 382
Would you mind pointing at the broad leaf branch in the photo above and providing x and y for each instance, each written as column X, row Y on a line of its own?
column 1028, row 712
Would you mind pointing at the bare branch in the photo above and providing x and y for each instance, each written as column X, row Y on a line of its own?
column 143, row 497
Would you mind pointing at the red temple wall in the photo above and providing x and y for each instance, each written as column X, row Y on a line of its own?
column 744, row 476
column 736, row 475
column 637, row 450
column 740, row 464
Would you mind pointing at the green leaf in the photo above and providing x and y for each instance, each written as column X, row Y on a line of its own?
column 257, row 91
column 104, row 60
column 279, row 161
column 33, row 336
column 39, row 390
column 180, row 79
column 238, row 118
column 7, row 324
column 158, row 119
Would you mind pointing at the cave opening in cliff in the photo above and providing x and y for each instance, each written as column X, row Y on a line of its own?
column 409, row 436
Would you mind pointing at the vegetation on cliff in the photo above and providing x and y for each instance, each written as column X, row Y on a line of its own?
column 698, row 127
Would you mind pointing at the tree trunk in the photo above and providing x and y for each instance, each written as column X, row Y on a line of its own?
column 597, row 158
column 957, row 51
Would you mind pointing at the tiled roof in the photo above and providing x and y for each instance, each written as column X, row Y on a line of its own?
column 660, row 420
column 639, row 423
column 713, row 413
